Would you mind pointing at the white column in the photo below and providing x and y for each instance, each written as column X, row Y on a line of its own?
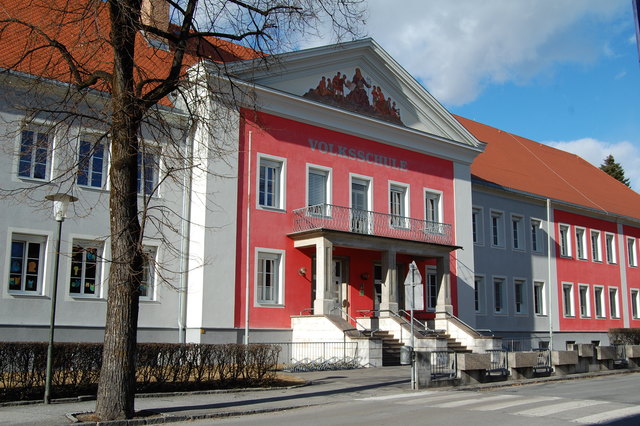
column 325, row 296
column 443, row 303
column 389, row 298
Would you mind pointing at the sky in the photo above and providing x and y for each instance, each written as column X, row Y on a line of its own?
column 562, row 72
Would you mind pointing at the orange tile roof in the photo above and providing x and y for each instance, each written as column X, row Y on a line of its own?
column 83, row 27
column 517, row 163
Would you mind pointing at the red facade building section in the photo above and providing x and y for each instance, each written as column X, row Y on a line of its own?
column 300, row 145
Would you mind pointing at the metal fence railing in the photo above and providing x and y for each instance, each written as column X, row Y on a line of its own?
column 315, row 356
column 499, row 362
column 339, row 218
column 621, row 360
column 444, row 365
column 543, row 361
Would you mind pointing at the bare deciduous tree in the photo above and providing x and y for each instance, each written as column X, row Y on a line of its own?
column 122, row 65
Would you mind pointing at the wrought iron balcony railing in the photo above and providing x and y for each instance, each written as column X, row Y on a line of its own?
column 339, row 218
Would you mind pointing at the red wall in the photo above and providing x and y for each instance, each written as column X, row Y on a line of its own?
column 576, row 271
column 633, row 272
column 268, row 229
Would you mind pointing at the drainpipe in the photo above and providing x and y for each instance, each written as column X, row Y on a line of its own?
column 248, row 243
column 184, row 243
column 549, row 272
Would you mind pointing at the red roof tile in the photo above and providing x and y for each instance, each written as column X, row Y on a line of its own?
column 521, row 164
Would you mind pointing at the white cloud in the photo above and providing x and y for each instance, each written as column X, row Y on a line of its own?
column 595, row 151
column 457, row 47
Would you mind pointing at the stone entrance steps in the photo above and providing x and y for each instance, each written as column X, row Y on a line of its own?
column 390, row 347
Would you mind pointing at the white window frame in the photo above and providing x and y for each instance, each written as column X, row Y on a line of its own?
column 632, row 252
column 635, row 303
column 479, row 293
column 278, row 301
column 369, row 180
column 616, row 302
column 537, row 243
column 581, row 243
column 599, row 302
column 94, row 138
column 497, row 228
column 610, row 247
column 568, row 311
column 150, row 275
column 477, row 215
column 522, row 309
column 585, row 305
column 503, row 295
column 596, row 246
column 517, row 232
column 27, row 237
column 542, row 302
column 564, row 239
column 100, row 264
column 149, row 149
column 38, row 127
column 328, row 173
column 437, row 197
column 399, row 219
column 280, row 195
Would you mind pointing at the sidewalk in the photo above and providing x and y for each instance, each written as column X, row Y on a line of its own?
column 326, row 387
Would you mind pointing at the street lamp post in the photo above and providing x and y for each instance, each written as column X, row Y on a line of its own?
column 60, row 205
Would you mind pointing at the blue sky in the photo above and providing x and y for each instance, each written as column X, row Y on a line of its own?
column 561, row 72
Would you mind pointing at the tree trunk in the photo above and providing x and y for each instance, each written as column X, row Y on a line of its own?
column 116, row 389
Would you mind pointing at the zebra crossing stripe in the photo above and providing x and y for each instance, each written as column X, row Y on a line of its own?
column 472, row 401
column 429, row 400
column 608, row 416
column 523, row 401
column 557, row 408
column 395, row 396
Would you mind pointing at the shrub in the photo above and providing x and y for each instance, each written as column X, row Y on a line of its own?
column 627, row 336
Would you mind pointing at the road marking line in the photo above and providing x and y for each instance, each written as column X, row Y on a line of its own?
column 473, row 401
column 507, row 404
column 607, row 416
column 557, row 408
column 396, row 396
column 438, row 398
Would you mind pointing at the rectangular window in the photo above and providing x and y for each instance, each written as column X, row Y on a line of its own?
column 478, row 293
column 269, row 278
column 631, row 249
column 34, row 154
column 581, row 243
column 477, row 226
column 565, row 244
column 432, row 288
column 148, row 170
column 598, row 299
column 398, row 206
column 585, row 306
column 635, row 304
column 432, row 206
column 498, row 295
column 26, row 267
column 567, row 299
column 318, row 191
column 85, row 269
column 516, row 232
column 91, row 162
column 361, row 219
column 595, row 246
column 497, row 229
column 270, row 183
column 147, row 283
column 610, row 248
column 536, row 237
column 520, row 296
column 613, row 302
column 538, row 298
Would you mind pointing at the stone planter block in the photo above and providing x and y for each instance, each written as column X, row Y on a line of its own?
column 474, row 362
column 585, row 350
column 564, row 357
column 605, row 352
column 522, row 359
column 633, row 351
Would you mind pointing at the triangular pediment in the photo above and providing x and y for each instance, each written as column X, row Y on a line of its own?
column 359, row 77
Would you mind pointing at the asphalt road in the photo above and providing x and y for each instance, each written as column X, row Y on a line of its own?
column 612, row 400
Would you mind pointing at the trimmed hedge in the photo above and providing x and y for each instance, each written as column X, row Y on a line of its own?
column 627, row 336
column 159, row 367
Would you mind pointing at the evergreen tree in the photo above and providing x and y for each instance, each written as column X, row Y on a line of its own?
column 614, row 169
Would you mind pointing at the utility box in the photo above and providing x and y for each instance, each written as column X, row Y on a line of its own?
column 405, row 355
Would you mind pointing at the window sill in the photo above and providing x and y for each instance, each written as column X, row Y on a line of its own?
column 32, row 180
column 271, row 209
column 566, row 256
column 541, row 315
column 92, row 188
column 268, row 305
column 87, row 297
column 27, row 295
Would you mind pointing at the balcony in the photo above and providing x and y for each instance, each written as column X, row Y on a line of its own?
column 339, row 218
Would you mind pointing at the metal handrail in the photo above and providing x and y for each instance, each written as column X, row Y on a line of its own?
column 477, row 331
column 345, row 313
column 303, row 312
column 340, row 218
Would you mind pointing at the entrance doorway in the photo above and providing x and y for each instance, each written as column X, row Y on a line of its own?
column 340, row 285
